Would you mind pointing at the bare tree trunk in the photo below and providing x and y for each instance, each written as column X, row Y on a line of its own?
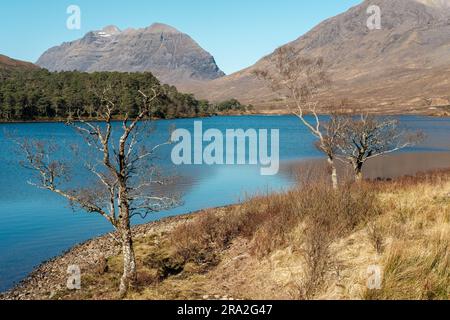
column 334, row 176
column 129, row 260
column 358, row 172
column 129, row 263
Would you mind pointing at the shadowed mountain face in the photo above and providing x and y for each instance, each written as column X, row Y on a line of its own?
column 404, row 67
column 170, row 55
column 6, row 63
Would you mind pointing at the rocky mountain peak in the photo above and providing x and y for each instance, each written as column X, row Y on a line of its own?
column 171, row 55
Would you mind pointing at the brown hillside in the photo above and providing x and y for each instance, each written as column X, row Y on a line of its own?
column 404, row 67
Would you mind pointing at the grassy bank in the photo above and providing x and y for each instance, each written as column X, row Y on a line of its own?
column 309, row 243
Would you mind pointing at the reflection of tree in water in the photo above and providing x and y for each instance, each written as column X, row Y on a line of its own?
column 390, row 166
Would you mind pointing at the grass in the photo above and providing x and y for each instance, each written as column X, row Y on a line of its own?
column 309, row 243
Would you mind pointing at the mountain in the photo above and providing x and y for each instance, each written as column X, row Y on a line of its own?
column 170, row 55
column 6, row 63
column 405, row 66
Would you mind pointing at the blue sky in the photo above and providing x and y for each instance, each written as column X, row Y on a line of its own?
column 236, row 32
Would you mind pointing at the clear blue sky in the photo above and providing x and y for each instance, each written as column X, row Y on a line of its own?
column 236, row 32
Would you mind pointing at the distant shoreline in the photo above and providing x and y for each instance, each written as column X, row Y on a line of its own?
column 261, row 113
column 64, row 120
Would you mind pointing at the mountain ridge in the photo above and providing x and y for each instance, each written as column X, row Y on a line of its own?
column 7, row 63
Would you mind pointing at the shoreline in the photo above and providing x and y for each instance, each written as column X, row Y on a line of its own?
column 51, row 275
column 64, row 120
column 260, row 113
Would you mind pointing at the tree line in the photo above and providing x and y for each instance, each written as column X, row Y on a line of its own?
column 43, row 95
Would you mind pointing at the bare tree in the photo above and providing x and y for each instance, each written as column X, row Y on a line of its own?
column 297, row 79
column 366, row 136
column 125, row 182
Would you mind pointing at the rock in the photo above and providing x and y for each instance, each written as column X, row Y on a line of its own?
column 102, row 265
column 165, row 262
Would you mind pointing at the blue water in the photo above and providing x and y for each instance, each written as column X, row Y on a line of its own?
column 37, row 225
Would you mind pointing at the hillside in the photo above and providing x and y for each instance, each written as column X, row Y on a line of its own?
column 404, row 67
column 6, row 63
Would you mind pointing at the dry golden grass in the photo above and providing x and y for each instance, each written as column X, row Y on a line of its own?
column 308, row 243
